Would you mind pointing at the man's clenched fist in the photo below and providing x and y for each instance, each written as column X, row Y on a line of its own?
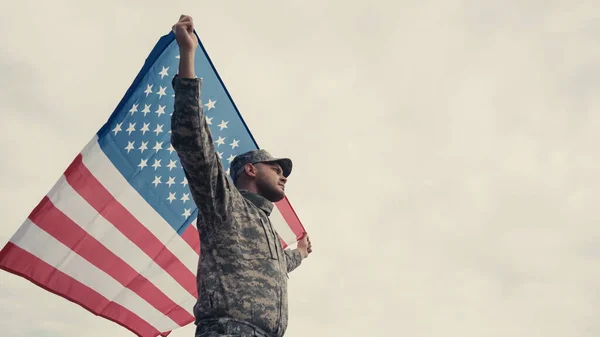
column 184, row 33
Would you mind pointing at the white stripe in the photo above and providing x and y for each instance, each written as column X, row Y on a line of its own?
column 101, row 167
column 45, row 247
column 282, row 227
column 68, row 201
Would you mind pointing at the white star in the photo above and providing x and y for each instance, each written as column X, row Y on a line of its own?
column 209, row 120
column 220, row 141
column 156, row 181
column 164, row 72
column 148, row 90
column 171, row 149
column 146, row 109
column 210, row 104
column 143, row 147
column 143, row 163
column 220, row 154
column 158, row 146
column 184, row 182
column 161, row 110
column 171, row 181
column 230, row 159
column 186, row 197
column 228, row 171
column 117, row 128
column 129, row 146
column 158, row 128
column 145, row 128
column 131, row 128
column 177, row 56
column 172, row 165
column 187, row 212
column 156, row 164
column 171, row 197
column 234, row 144
column 161, row 91
column 223, row 125
column 133, row 109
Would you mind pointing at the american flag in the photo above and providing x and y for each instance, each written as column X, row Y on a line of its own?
column 116, row 234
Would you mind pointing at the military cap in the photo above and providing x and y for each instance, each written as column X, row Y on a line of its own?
column 255, row 157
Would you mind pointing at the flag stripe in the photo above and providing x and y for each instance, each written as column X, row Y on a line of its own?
column 20, row 262
column 284, row 231
column 192, row 237
column 50, row 219
column 36, row 241
column 86, row 185
column 290, row 220
column 113, row 182
column 76, row 219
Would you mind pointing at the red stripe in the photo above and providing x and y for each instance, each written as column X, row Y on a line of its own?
column 20, row 262
column 61, row 227
column 290, row 216
column 82, row 181
column 192, row 237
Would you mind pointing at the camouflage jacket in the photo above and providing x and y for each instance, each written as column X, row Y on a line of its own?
column 243, row 269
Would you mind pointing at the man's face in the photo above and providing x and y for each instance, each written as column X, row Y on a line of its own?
column 270, row 181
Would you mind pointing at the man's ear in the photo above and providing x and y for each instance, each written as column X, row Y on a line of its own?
column 250, row 170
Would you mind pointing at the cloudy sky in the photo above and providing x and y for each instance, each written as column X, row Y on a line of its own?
column 447, row 172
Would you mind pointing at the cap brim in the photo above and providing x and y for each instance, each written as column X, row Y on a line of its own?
column 286, row 165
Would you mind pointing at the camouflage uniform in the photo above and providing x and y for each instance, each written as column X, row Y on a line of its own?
column 243, row 270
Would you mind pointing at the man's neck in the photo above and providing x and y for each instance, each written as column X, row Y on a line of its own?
column 258, row 200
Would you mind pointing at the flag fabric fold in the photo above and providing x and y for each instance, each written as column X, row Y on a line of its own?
column 116, row 234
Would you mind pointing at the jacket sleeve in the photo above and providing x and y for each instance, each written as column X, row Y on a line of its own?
column 293, row 259
column 210, row 187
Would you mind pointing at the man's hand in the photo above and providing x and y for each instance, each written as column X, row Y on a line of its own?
column 187, row 41
column 304, row 246
column 184, row 34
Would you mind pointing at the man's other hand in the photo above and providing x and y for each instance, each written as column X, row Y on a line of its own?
column 304, row 246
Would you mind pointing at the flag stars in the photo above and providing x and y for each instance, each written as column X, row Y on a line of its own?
column 159, row 129
column 156, row 164
column 185, row 197
column 223, row 125
column 230, row 159
column 143, row 147
column 171, row 149
column 158, row 146
column 187, row 212
column 129, row 146
column 184, row 182
column 211, row 104
column 220, row 141
column 171, row 197
column 117, row 128
column 209, row 120
column 234, row 144
column 164, row 72
column 146, row 109
column 172, row 165
column 220, row 154
column 171, row 181
column 157, row 181
column 143, row 163
column 161, row 110
column 131, row 128
column 145, row 128
column 134, row 109
column 148, row 90
column 161, row 92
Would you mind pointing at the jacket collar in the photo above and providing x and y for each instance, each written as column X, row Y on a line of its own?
column 259, row 201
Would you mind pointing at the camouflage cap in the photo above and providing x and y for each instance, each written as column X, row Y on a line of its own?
column 255, row 157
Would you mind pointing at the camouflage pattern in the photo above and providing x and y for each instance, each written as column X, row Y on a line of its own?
column 254, row 157
column 243, row 269
column 228, row 327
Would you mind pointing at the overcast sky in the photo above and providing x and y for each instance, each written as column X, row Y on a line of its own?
column 446, row 162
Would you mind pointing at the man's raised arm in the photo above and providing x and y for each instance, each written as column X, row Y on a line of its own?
column 190, row 135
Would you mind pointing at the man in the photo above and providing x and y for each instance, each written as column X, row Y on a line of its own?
column 243, row 270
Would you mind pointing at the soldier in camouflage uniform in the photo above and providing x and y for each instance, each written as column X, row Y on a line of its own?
column 243, row 270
